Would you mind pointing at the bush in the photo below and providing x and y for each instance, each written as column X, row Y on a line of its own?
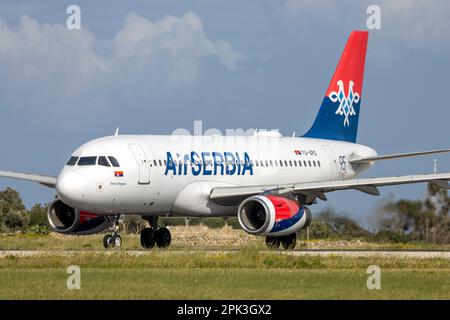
column 389, row 236
column 39, row 229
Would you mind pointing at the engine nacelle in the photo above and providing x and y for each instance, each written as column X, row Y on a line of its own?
column 67, row 220
column 272, row 215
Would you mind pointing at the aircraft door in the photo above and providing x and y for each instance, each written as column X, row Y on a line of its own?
column 334, row 164
column 143, row 163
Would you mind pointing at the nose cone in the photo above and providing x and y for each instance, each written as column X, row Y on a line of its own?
column 71, row 188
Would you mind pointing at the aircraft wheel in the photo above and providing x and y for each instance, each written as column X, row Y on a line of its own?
column 147, row 238
column 108, row 241
column 163, row 238
column 289, row 241
column 273, row 242
column 117, row 240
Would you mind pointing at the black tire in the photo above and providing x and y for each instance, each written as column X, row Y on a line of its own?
column 107, row 240
column 163, row 238
column 289, row 241
column 117, row 240
column 147, row 238
column 272, row 243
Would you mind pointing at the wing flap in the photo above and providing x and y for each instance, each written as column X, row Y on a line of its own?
column 47, row 181
column 233, row 195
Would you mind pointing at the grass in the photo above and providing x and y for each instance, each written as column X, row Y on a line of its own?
column 131, row 242
column 246, row 274
column 138, row 283
column 186, row 271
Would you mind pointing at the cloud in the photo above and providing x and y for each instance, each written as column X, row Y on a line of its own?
column 418, row 23
column 177, row 43
column 49, row 63
column 406, row 24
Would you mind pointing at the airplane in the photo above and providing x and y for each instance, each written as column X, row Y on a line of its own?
column 268, row 181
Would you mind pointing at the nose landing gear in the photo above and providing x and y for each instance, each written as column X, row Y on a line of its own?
column 152, row 235
column 114, row 239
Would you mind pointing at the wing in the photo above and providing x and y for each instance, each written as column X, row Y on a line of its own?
column 357, row 160
column 47, row 181
column 234, row 195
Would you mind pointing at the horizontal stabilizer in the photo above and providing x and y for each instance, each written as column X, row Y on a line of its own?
column 396, row 156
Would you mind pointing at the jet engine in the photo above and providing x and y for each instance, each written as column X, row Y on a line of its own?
column 67, row 220
column 267, row 215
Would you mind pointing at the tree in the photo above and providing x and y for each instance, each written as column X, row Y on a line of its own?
column 13, row 215
column 426, row 220
column 38, row 215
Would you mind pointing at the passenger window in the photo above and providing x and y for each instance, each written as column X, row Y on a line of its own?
column 87, row 161
column 318, row 163
column 160, row 163
column 295, row 163
column 290, row 163
column 72, row 161
column 299, row 163
column 314, row 163
column 154, row 162
column 281, row 163
column 114, row 161
column 304, row 163
column 267, row 163
column 285, row 163
column 102, row 161
column 271, row 163
column 309, row 163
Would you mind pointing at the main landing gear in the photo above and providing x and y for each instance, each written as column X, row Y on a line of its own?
column 152, row 235
column 114, row 239
column 288, row 242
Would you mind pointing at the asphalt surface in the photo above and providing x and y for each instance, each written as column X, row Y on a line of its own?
column 324, row 253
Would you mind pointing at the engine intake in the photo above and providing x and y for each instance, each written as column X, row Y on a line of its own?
column 272, row 215
column 67, row 220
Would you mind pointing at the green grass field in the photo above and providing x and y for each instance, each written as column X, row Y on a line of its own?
column 131, row 242
column 245, row 274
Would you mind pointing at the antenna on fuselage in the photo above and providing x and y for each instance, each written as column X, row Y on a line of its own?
column 117, row 132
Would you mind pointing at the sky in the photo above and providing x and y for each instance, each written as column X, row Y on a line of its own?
column 150, row 67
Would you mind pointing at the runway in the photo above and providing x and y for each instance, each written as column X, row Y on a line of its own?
column 297, row 253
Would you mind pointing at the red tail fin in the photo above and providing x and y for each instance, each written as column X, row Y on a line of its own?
column 339, row 113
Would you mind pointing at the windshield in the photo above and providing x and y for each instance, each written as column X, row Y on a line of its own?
column 114, row 161
column 72, row 161
column 87, row 161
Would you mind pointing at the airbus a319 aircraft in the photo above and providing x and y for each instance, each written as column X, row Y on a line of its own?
column 266, row 180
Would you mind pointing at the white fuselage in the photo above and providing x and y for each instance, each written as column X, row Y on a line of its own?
column 174, row 175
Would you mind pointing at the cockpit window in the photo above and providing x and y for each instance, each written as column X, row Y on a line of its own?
column 114, row 161
column 102, row 161
column 72, row 161
column 87, row 161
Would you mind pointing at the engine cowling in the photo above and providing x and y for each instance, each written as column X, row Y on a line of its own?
column 67, row 220
column 272, row 215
